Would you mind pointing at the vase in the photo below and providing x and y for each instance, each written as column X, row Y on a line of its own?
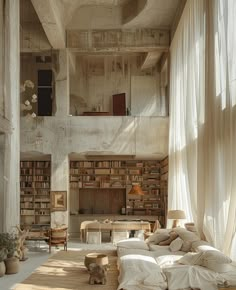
column 12, row 265
column 2, row 269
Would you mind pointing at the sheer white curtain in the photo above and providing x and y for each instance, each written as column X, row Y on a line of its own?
column 187, row 93
column 220, row 186
column 203, row 120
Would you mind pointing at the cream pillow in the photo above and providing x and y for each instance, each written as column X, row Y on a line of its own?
column 176, row 245
column 186, row 247
column 157, row 238
column 200, row 246
column 191, row 259
column 186, row 235
column 215, row 256
column 173, row 236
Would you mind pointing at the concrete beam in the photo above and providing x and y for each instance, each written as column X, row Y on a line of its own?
column 151, row 59
column 72, row 62
column 132, row 40
column 50, row 17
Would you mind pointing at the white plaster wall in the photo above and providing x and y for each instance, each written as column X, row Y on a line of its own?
column 144, row 136
column 155, row 143
column 145, row 96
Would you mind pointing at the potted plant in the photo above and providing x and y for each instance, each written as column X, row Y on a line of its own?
column 3, row 255
column 9, row 242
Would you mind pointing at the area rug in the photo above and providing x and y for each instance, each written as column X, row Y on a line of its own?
column 65, row 270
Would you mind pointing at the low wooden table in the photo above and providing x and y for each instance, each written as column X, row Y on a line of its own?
column 114, row 226
column 37, row 237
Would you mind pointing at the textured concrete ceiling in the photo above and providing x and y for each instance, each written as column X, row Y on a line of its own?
column 155, row 14
column 138, row 13
column 70, row 6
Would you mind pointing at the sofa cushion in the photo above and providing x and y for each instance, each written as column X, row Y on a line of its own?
column 176, row 245
column 124, row 251
column 133, row 244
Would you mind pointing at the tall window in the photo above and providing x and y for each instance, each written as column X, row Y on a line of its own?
column 45, row 93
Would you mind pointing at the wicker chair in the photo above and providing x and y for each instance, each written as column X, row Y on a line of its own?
column 57, row 237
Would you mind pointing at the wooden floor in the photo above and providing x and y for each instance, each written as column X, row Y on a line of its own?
column 66, row 270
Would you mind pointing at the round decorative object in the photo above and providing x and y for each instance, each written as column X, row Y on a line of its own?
column 97, row 258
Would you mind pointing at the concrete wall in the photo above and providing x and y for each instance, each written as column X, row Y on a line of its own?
column 97, row 78
column 141, row 136
column 96, row 17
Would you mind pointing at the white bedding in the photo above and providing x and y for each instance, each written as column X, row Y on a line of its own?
column 184, row 276
column 140, row 272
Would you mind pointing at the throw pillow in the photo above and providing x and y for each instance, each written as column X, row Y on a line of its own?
column 173, row 236
column 176, row 245
column 187, row 235
column 201, row 246
column 186, row 247
column 157, row 238
column 215, row 256
column 191, row 259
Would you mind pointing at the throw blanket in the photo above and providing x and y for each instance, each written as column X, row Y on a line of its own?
column 139, row 272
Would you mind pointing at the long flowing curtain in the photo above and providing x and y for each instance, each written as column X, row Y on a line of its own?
column 187, row 94
column 203, row 120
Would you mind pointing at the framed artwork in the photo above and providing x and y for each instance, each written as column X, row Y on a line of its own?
column 58, row 200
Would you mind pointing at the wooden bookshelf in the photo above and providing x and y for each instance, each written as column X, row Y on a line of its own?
column 35, row 193
column 102, row 187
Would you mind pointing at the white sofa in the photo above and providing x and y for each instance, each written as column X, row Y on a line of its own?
column 187, row 263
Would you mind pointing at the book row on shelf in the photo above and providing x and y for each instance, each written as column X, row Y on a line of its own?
column 95, row 178
column 34, row 164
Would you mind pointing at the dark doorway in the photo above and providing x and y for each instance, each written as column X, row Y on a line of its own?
column 45, row 93
column 119, row 107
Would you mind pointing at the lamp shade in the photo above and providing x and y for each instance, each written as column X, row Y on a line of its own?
column 136, row 189
column 176, row 214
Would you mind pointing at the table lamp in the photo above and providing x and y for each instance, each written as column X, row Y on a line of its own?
column 176, row 215
column 136, row 189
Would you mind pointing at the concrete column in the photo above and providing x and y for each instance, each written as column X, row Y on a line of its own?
column 60, row 182
column 12, row 112
column 2, row 142
column 62, row 85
